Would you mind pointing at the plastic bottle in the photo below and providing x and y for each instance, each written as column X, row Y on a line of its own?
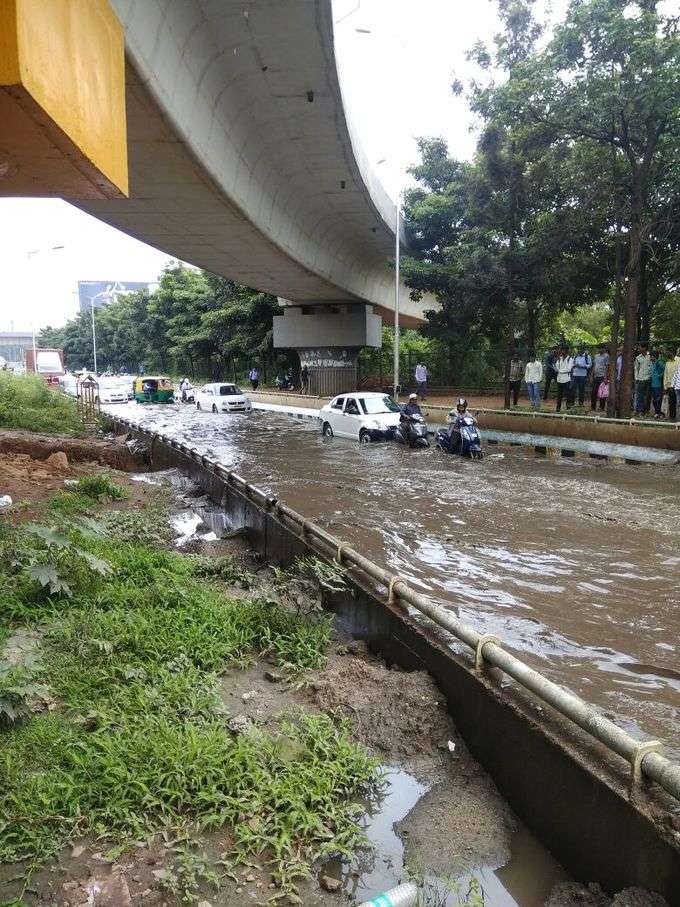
column 401, row 896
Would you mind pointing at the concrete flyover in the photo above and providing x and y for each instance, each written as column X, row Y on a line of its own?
column 242, row 160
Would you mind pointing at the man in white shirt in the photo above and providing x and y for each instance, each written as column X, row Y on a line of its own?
column 533, row 375
column 564, row 367
column 421, row 379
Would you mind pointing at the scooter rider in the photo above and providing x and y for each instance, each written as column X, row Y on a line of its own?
column 455, row 419
column 412, row 408
column 186, row 388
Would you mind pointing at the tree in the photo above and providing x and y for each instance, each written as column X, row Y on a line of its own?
column 609, row 78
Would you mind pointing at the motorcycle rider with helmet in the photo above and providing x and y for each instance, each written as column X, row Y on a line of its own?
column 412, row 408
column 455, row 419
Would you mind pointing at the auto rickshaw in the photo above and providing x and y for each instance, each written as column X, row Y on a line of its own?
column 154, row 389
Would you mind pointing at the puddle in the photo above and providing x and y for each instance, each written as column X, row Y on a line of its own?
column 525, row 881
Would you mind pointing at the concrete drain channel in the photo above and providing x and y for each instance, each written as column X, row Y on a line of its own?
column 602, row 802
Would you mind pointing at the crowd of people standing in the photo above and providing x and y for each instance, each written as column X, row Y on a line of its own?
column 582, row 375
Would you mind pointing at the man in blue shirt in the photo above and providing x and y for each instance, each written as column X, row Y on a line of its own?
column 582, row 366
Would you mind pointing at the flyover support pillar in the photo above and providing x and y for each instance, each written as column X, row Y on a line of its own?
column 328, row 337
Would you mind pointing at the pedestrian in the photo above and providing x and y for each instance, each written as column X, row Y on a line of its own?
column 304, row 379
column 533, row 374
column 643, row 380
column 656, row 381
column 600, row 370
column 672, row 364
column 421, row 379
column 550, row 370
column 676, row 388
column 254, row 376
column 583, row 363
column 564, row 367
column 515, row 376
column 603, row 392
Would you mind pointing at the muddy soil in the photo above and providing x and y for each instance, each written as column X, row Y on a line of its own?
column 94, row 448
column 574, row 895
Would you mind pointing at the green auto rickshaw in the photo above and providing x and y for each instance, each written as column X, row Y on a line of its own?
column 154, row 389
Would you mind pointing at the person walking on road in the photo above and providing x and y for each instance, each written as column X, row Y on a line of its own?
column 600, row 370
column 550, row 370
column 515, row 377
column 643, row 380
column 533, row 375
column 583, row 363
column 564, row 367
column 304, row 379
column 421, row 379
column 672, row 364
column 254, row 376
column 656, row 381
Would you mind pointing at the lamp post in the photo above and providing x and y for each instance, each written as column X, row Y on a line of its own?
column 397, row 263
column 94, row 336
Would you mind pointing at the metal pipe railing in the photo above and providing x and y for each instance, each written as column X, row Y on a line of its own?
column 642, row 755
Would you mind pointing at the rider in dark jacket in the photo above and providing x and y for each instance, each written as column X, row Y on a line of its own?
column 412, row 408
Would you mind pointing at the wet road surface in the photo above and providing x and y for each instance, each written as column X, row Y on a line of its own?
column 574, row 563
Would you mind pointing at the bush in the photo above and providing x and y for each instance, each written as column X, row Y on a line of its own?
column 26, row 401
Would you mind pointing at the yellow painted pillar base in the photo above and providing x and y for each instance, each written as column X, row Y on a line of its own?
column 62, row 99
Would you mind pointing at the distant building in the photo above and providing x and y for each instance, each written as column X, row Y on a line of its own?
column 102, row 292
column 13, row 344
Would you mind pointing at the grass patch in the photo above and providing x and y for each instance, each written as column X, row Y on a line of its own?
column 134, row 636
column 27, row 402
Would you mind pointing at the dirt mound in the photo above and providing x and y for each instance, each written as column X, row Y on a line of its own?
column 396, row 713
column 570, row 894
column 110, row 451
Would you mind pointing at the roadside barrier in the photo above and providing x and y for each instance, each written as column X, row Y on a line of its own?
column 643, row 757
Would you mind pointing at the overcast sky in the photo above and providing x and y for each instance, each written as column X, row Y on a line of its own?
column 397, row 59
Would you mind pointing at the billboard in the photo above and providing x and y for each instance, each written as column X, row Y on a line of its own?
column 102, row 292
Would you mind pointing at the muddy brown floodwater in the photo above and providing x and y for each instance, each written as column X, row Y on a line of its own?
column 574, row 563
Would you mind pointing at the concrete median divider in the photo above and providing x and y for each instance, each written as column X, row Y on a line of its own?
column 607, row 805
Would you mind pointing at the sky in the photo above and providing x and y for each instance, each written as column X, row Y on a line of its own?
column 397, row 59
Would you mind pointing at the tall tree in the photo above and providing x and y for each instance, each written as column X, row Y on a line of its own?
column 609, row 77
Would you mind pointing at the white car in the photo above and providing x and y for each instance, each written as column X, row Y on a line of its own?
column 111, row 391
column 222, row 397
column 364, row 417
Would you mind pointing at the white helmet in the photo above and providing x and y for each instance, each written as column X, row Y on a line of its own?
column 413, row 396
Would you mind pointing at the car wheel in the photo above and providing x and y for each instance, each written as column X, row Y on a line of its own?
column 214, row 408
column 327, row 430
column 198, row 406
column 364, row 437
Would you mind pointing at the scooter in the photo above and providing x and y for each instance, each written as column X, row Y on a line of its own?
column 412, row 431
column 466, row 441
column 187, row 396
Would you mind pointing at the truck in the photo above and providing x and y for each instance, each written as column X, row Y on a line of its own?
column 48, row 363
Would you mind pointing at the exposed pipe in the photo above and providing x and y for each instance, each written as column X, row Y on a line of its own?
column 401, row 896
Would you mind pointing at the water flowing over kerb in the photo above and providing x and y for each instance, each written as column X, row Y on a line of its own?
column 643, row 756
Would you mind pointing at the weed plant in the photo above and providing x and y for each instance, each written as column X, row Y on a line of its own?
column 27, row 402
column 133, row 637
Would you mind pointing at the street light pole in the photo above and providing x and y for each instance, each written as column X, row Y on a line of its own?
column 397, row 252
column 94, row 337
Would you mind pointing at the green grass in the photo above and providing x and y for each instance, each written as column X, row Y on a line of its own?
column 27, row 402
column 134, row 637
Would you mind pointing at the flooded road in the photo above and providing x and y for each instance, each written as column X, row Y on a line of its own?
column 575, row 564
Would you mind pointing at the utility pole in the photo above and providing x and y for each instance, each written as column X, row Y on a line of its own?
column 94, row 337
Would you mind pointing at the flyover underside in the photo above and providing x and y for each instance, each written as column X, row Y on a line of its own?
column 240, row 154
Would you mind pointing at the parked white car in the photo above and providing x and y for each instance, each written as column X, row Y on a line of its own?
column 222, row 397
column 364, row 417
